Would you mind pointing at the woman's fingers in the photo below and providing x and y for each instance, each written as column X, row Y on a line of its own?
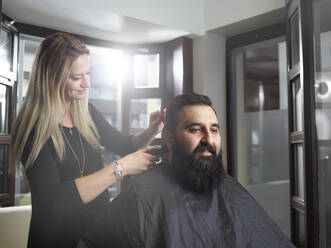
column 137, row 162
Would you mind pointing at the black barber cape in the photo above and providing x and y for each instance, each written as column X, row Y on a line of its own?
column 154, row 210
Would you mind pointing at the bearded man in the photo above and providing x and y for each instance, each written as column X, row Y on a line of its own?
column 189, row 200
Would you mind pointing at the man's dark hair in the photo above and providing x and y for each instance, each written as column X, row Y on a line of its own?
column 178, row 103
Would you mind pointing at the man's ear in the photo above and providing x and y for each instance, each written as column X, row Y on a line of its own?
column 169, row 139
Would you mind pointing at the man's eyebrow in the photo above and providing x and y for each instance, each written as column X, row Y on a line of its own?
column 191, row 124
column 200, row 124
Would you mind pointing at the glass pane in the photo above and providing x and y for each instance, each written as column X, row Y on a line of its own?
column 28, row 49
column 4, row 111
column 299, row 171
column 106, row 82
column 3, row 169
column 300, row 219
column 322, row 42
column 297, row 104
column 146, row 71
column 107, row 67
column 28, row 46
column 5, row 51
column 261, row 151
column 139, row 113
column 22, row 189
column 295, row 41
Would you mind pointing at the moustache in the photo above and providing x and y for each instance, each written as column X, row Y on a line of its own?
column 204, row 147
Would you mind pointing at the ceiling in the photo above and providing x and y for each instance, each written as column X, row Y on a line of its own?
column 70, row 17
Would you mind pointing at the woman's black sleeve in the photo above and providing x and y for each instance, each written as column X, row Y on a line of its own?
column 110, row 137
column 48, row 190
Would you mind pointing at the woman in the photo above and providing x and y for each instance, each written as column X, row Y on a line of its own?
column 57, row 136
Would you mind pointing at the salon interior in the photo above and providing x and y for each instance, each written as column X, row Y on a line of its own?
column 266, row 65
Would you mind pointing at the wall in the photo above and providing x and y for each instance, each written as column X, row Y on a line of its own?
column 183, row 15
column 209, row 75
column 218, row 13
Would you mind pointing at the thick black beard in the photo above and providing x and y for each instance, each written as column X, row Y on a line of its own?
column 199, row 173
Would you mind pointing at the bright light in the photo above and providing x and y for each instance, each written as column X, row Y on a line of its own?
column 178, row 69
column 261, row 96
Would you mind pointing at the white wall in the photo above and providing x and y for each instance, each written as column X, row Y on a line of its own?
column 209, row 75
column 184, row 15
column 194, row 16
column 219, row 13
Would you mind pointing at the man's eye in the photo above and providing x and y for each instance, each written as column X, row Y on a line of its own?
column 214, row 130
column 194, row 130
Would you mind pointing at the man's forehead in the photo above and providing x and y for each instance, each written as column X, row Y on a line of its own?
column 197, row 113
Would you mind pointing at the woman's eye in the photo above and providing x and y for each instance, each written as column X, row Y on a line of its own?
column 75, row 78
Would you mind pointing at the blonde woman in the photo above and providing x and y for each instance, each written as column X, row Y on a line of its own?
column 57, row 137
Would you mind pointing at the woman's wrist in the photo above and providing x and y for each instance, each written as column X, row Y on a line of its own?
column 124, row 172
column 117, row 170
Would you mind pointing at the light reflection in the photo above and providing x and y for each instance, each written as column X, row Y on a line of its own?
column 178, row 69
column 323, row 89
column 146, row 70
column 261, row 96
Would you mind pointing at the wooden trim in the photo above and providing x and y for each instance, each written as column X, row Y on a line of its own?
column 145, row 93
column 263, row 34
column 170, row 89
column 230, row 109
column 292, row 72
column 44, row 32
column 4, row 139
column 5, row 199
column 291, row 8
column 310, row 144
column 0, row 12
column 187, row 65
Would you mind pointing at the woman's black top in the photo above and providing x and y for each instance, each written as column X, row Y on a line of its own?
column 59, row 217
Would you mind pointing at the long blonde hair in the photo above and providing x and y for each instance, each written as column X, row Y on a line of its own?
column 42, row 108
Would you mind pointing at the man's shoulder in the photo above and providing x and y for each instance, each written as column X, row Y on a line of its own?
column 154, row 180
column 231, row 188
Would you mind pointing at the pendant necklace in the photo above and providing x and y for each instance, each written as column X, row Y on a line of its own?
column 81, row 168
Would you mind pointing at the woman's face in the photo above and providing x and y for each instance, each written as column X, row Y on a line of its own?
column 79, row 79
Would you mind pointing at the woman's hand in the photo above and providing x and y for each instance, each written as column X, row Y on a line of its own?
column 156, row 123
column 156, row 120
column 137, row 162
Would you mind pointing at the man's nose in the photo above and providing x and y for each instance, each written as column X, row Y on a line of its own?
column 207, row 138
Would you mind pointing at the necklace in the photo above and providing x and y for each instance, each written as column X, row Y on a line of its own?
column 68, row 124
column 81, row 168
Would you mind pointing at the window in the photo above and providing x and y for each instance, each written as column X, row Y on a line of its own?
column 143, row 87
column 8, row 77
column 258, row 124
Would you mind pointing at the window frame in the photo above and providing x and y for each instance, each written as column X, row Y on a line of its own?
column 9, row 79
